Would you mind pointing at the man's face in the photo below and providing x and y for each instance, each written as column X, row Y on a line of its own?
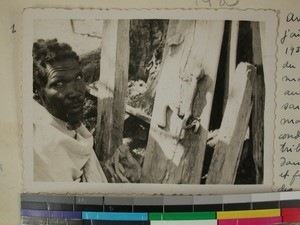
column 63, row 94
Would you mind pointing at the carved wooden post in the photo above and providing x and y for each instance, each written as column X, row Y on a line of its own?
column 113, row 86
column 184, row 94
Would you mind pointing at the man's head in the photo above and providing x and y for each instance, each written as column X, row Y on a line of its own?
column 58, row 80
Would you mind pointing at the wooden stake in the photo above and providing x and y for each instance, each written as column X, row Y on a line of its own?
column 234, row 126
column 257, row 117
column 231, row 58
column 112, row 91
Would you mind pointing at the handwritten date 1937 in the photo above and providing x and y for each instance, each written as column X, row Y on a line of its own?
column 292, row 50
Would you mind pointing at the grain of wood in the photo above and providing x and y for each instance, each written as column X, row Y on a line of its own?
column 227, row 152
column 112, row 91
column 194, row 56
column 257, row 117
column 231, row 58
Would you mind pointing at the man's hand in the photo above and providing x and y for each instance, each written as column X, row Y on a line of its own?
column 212, row 138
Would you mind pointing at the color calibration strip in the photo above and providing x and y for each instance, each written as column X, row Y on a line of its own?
column 252, row 209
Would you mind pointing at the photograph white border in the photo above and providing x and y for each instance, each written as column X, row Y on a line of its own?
column 271, row 22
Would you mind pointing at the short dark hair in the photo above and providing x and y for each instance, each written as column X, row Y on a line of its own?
column 47, row 52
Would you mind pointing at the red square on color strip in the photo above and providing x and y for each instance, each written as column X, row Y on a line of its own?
column 290, row 215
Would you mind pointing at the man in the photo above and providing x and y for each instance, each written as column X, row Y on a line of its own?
column 62, row 144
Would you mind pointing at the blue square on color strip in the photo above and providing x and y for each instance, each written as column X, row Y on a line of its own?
column 109, row 222
column 115, row 216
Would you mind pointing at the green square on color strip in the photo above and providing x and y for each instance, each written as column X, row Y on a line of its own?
column 183, row 216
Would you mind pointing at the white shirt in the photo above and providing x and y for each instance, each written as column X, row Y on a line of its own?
column 61, row 154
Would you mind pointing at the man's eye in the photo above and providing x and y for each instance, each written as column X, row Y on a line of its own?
column 79, row 77
column 59, row 84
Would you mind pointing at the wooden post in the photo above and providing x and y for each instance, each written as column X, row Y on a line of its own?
column 184, row 92
column 234, row 126
column 257, row 117
column 112, row 88
column 231, row 58
column 233, row 46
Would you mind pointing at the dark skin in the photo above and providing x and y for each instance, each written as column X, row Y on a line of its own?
column 63, row 95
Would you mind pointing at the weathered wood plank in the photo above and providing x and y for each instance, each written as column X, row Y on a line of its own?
column 233, row 46
column 112, row 88
column 184, row 92
column 231, row 58
column 234, row 126
column 257, row 117
column 138, row 113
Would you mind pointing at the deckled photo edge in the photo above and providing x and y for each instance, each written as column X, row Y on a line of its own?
column 270, row 19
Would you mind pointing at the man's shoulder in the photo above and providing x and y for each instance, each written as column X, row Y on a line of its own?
column 40, row 114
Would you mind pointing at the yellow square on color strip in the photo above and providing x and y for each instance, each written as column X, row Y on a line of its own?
column 248, row 214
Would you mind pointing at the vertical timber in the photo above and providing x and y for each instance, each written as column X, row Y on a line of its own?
column 234, row 126
column 185, row 91
column 112, row 89
column 257, row 117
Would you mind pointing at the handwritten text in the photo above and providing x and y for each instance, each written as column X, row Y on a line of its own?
column 292, row 18
column 229, row 3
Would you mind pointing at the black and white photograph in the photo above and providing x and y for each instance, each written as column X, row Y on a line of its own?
column 146, row 99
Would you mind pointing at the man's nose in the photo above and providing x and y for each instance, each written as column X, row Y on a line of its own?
column 73, row 91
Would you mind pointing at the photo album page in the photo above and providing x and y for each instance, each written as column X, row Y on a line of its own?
column 149, row 98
